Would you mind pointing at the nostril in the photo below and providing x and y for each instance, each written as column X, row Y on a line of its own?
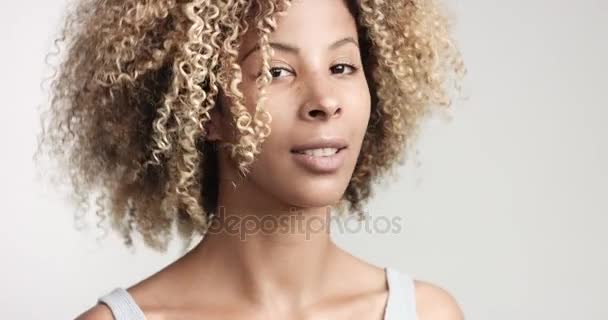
column 315, row 113
column 323, row 111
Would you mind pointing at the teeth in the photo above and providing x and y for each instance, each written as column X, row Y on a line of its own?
column 321, row 152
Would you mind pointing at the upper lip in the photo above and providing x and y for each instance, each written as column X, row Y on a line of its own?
column 322, row 142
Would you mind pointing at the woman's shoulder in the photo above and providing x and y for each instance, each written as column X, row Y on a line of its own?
column 126, row 301
column 147, row 296
column 434, row 302
column 97, row 312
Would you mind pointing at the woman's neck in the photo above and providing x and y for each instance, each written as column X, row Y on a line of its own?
column 273, row 256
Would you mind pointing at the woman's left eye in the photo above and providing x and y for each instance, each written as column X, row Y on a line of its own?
column 343, row 68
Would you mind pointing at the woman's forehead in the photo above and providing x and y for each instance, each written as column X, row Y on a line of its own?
column 308, row 23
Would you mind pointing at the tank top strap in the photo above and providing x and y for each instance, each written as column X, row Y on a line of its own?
column 122, row 305
column 401, row 304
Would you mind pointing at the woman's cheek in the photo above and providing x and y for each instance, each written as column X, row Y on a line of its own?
column 250, row 94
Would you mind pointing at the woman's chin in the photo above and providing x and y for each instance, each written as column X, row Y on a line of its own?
column 316, row 198
column 303, row 190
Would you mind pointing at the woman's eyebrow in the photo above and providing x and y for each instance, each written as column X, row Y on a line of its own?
column 295, row 50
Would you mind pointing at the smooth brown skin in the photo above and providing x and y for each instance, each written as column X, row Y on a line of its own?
column 282, row 275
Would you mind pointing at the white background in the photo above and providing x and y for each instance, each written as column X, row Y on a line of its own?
column 505, row 206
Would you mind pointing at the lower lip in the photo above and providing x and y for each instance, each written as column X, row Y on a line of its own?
column 321, row 164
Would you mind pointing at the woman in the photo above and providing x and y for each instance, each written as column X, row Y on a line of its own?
column 211, row 114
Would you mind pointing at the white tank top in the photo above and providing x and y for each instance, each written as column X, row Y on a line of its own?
column 401, row 303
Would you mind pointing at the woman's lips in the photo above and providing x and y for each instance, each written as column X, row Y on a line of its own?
column 320, row 164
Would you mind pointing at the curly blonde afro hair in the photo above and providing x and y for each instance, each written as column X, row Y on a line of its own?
column 137, row 80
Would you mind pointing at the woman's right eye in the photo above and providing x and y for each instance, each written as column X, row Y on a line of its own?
column 276, row 72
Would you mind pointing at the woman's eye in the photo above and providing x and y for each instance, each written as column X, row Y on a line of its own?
column 277, row 72
column 343, row 68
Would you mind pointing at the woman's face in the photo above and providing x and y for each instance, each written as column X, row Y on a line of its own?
column 318, row 95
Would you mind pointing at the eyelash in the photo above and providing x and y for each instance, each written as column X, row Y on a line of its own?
column 353, row 67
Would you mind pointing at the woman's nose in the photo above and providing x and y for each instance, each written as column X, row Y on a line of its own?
column 321, row 102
